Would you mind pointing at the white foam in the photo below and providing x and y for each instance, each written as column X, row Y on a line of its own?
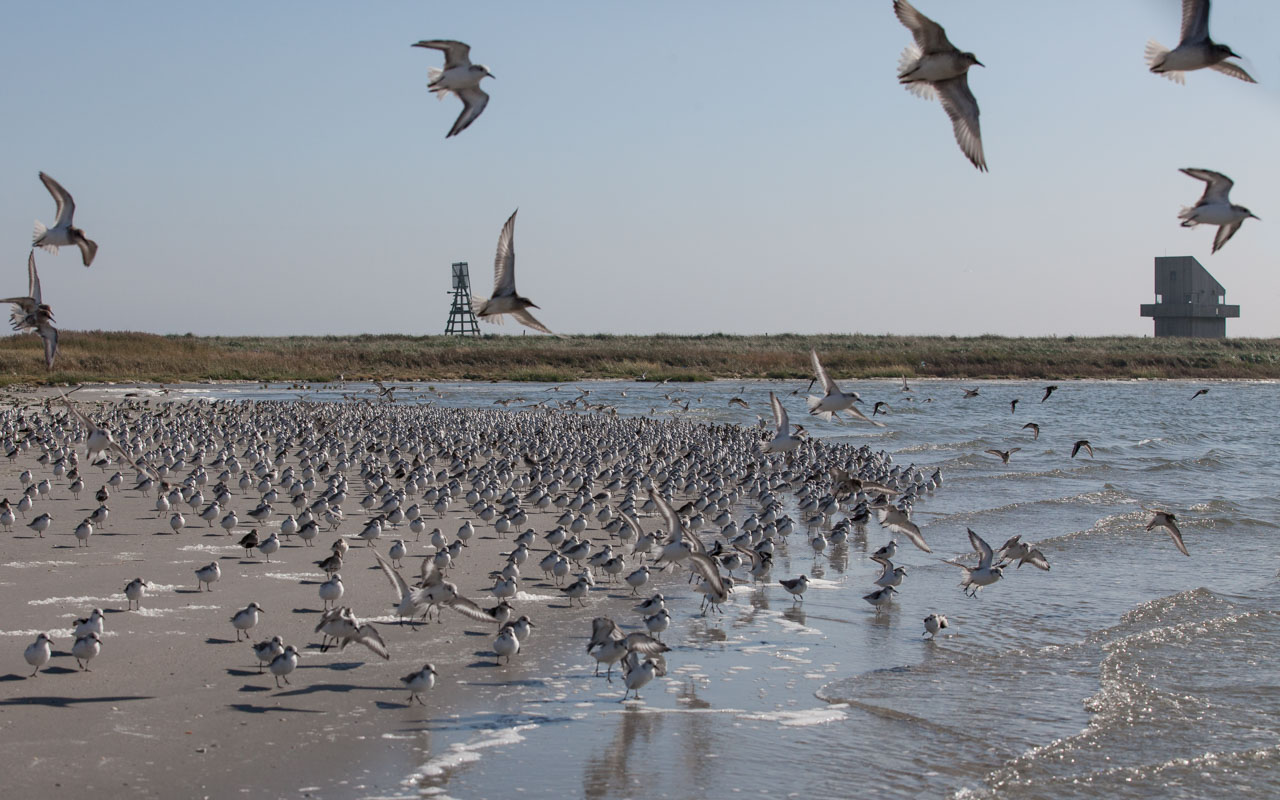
column 211, row 548
column 292, row 576
column 462, row 753
column 29, row 564
column 535, row 598
column 75, row 601
column 805, row 717
column 160, row 612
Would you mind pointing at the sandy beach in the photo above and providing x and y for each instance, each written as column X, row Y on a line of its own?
column 174, row 706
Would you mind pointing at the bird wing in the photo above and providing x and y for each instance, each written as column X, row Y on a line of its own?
column 1195, row 21
column 529, row 321
column 428, row 572
column 397, row 583
column 1218, row 186
column 1013, row 540
column 473, row 102
column 644, row 643
column 962, row 107
column 504, row 263
column 468, row 608
column 88, row 249
column 50, row 336
column 929, row 35
column 456, row 54
column 33, row 278
column 1224, row 234
column 602, row 630
column 856, row 414
column 368, row 636
column 66, row 206
column 706, row 567
column 1234, row 70
column 828, row 385
column 984, row 550
column 1036, row 559
column 780, row 418
column 996, row 453
column 1176, row 536
column 902, row 523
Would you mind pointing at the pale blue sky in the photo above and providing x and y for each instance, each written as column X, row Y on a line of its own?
column 742, row 167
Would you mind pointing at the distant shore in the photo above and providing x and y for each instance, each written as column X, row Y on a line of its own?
column 98, row 356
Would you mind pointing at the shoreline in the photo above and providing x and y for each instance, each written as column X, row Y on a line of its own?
column 127, row 357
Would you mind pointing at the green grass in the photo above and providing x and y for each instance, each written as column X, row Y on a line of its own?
column 87, row 356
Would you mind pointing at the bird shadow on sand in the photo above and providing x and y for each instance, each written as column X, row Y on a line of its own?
column 308, row 611
column 66, row 702
column 474, row 633
column 341, row 688
column 383, row 704
column 115, row 533
column 214, row 640
column 188, row 591
column 244, row 673
column 532, row 682
column 249, row 687
column 249, row 708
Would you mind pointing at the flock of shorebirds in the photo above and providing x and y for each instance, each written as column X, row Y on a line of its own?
column 292, row 467
column 930, row 67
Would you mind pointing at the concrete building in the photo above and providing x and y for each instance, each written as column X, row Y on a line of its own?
column 1189, row 302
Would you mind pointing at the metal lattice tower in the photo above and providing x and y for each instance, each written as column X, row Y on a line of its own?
column 462, row 320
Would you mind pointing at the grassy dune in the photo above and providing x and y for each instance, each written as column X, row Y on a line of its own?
column 125, row 356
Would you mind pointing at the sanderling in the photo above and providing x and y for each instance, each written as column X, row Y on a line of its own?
column 246, row 619
column 1166, row 520
column 1214, row 207
column 505, row 299
column 833, row 401
column 207, row 574
column 85, row 648
column 934, row 623
column 31, row 314
column 782, row 441
column 135, row 590
column 63, row 233
column 266, row 651
column 39, row 652
column 419, row 682
column 331, row 590
column 1195, row 49
column 880, row 598
column 985, row 573
column 284, row 663
column 932, row 66
column 796, row 586
column 506, row 645
column 459, row 77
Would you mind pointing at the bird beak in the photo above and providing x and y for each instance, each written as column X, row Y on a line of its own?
column 1255, row 216
column 979, row 63
column 531, row 305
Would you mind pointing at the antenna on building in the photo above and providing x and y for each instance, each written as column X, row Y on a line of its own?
column 462, row 320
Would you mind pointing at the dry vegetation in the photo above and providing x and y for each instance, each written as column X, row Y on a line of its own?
column 102, row 356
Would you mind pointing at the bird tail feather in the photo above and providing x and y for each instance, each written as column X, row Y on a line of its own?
column 907, row 62
column 38, row 233
column 1154, row 55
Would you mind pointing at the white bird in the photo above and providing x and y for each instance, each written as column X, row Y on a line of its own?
column 505, row 299
column 459, row 77
column 833, row 401
column 246, row 619
column 890, row 575
column 782, row 441
column 86, row 648
column 331, row 590
column 1166, row 520
column 985, row 573
column 284, row 663
column 40, row 524
column 343, row 627
column 934, row 623
column 39, row 652
column 397, row 551
column 1195, row 49
column 637, row 673
column 419, row 682
column 269, row 545
column 94, row 623
column 796, row 586
column 1214, row 207
column 135, row 590
column 507, row 644
column 31, row 314
column 206, row 575
column 899, row 521
column 933, row 66
column 608, row 645
column 63, row 233
column 266, row 651
column 83, row 531
column 177, row 521
column 880, row 598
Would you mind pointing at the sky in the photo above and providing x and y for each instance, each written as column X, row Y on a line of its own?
column 735, row 166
